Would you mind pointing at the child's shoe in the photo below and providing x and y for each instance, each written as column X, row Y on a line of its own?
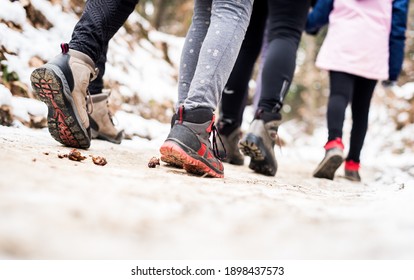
column 352, row 171
column 334, row 157
column 188, row 144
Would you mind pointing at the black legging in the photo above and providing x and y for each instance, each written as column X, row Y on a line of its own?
column 100, row 20
column 287, row 20
column 97, row 85
column 346, row 88
column 236, row 90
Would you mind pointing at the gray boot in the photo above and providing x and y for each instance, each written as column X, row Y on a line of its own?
column 188, row 143
column 230, row 140
column 62, row 84
column 100, row 118
column 259, row 143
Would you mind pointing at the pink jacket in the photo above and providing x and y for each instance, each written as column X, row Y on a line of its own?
column 358, row 38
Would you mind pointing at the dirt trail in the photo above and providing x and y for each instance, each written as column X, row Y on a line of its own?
column 52, row 208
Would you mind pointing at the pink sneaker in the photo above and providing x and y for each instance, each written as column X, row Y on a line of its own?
column 334, row 156
column 352, row 171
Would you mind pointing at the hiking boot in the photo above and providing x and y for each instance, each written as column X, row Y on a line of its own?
column 352, row 171
column 334, row 157
column 188, row 143
column 102, row 126
column 230, row 134
column 62, row 84
column 259, row 142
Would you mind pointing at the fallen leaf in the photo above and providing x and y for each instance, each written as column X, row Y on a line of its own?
column 75, row 155
column 153, row 162
column 99, row 160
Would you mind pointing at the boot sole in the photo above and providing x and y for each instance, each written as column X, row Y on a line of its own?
column 63, row 123
column 253, row 147
column 234, row 161
column 352, row 177
column 328, row 167
column 96, row 135
column 172, row 153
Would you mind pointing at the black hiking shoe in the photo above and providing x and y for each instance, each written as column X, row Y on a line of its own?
column 62, row 84
column 334, row 157
column 188, row 143
column 259, row 142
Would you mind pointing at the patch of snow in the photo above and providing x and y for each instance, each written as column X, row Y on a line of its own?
column 12, row 11
column 24, row 107
column 5, row 96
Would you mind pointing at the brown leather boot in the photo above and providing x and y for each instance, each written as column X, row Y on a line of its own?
column 62, row 84
column 102, row 126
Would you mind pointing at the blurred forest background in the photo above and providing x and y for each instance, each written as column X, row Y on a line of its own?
column 307, row 97
column 306, row 100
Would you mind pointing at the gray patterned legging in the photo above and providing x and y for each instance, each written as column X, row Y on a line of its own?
column 210, row 50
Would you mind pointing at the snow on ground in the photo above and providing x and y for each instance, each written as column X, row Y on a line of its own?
column 166, row 213
column 59, row 209
column 152, row 77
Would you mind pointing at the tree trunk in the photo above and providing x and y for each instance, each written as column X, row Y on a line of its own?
column 159, row 12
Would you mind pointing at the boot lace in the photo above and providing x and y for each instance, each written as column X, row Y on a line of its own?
column 216, row 152
column 89, row 105
column 275, row 137
column 112, row 117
